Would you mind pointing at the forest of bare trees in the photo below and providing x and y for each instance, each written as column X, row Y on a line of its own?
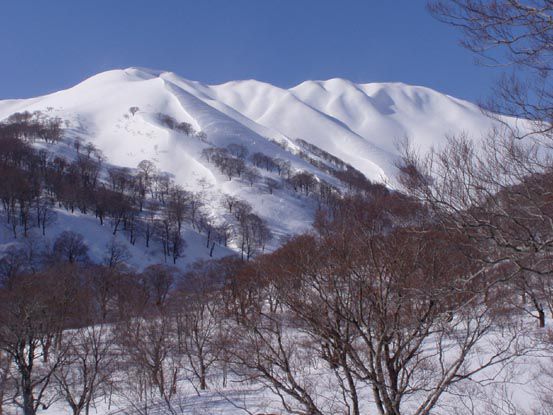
column 143, row 203
column 383, row 298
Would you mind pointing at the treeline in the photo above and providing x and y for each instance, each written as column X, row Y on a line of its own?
column 173, row 124
column 235, row 161
column 33, row 126
column 232, row 161
column 332, row 165
column 142, row 203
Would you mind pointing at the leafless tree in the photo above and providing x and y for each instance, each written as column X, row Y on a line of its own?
column 107, row 288
column 238, row 150
column 496, row 194
column 35, row 309
column 178, row 205
column 229, row 202
column 88, row 367
column 515, row 34
column 13, row 263
column 45, row 214
column 283, row 167
column 223, row 233
column 272, row 184
column 262, row 349
column 199, row 319
column 152, row 362
column 253, row 234
column 251, row 176
column 6, row 381
column 303, row 182
column 71, row 247
column 116, row 255
column 363, row 304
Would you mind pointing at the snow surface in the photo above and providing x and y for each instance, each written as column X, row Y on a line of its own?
column 358, row 123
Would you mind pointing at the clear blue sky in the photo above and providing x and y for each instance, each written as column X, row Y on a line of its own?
column 50, row 45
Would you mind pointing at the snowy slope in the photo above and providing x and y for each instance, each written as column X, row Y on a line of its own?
column 358, row 123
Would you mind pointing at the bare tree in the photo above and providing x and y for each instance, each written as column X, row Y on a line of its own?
column 253, row 234
column 251, row 176
column 71, row 247
column 496, row 195
column 107, row 288
column 363, row 304
column 157, row 281
column 87, row 371
column 6, row 381
column 199, row 319
column 516, row 34
column 238, row 150
column 178, row 205
column 264, row 348
column 303, row 182
column 45, row 214
column 283, row 167
column 272, row 184
column 13, row 263
column 229, row 202
column 152, row 361
column 34, row 310
column 116, row 254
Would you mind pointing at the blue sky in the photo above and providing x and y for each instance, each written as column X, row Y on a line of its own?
column 51, row 45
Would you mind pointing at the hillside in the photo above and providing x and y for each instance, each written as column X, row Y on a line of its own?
column 335, row 131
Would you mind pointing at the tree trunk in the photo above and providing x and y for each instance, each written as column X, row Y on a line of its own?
column 203, row 383
column 541, row 317
column 27, row 392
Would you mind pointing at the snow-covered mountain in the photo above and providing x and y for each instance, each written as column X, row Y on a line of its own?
column 359, row 124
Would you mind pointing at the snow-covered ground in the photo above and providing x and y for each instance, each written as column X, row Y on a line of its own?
column 515, row 387
column 360, row 124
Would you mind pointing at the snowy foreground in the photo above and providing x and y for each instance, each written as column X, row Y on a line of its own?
column 519, row 386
